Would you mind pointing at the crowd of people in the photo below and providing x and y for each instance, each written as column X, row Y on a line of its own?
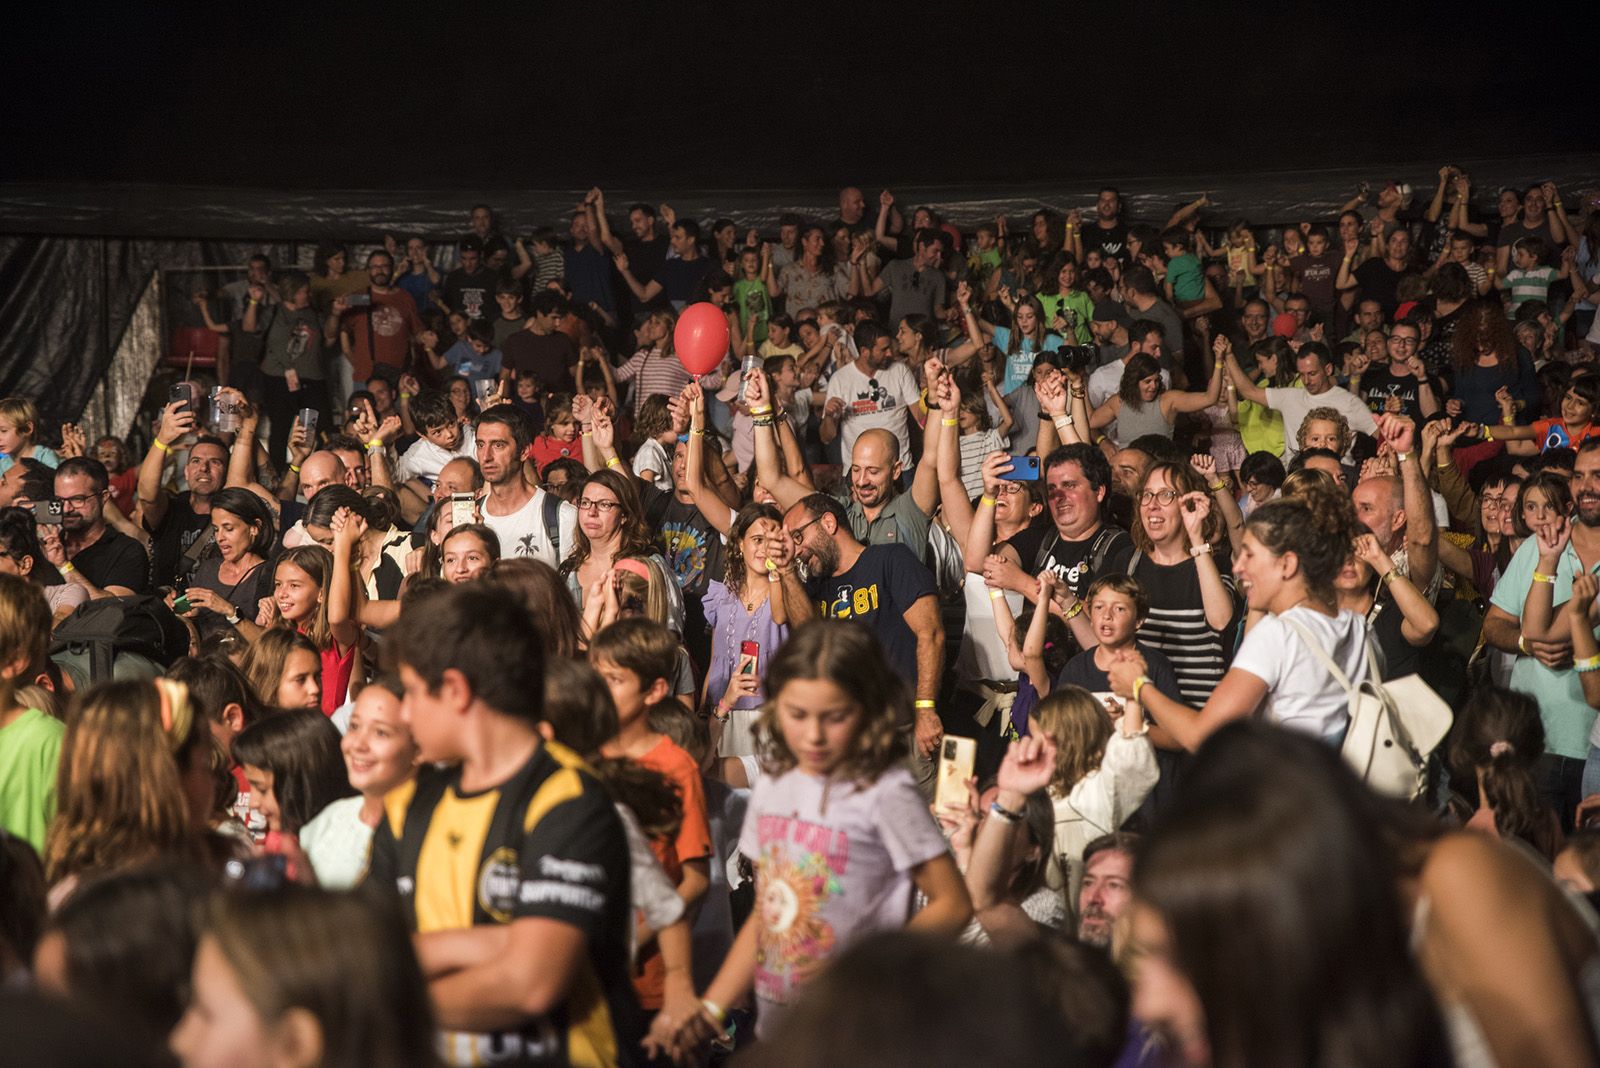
column 956, row 674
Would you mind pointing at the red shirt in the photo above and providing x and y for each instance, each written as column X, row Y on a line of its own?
column 385, row 327
column 545, row 449
column 693, row 842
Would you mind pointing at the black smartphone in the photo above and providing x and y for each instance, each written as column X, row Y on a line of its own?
column 181, row 393
column 47, row 513
column 1023, row 469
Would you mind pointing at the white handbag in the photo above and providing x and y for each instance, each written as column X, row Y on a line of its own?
column 1394, row 725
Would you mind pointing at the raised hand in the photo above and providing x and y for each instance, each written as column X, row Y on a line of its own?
column 175, row 424
column 1029, row 765
column 1397, row 431
column 1052, row 394
column 1552, row 538
column 1194, row 508
column 963, row 294
column 73, row 441
column 1369, row 552
column 1585, row 588
column 994, row 465
column 1205, row 465
column 886, row 199
column 347, row 527
column 1127, row 668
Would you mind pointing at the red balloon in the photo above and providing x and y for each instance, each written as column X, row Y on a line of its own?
column 701, row 338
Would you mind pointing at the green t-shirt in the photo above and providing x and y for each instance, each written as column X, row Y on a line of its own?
column 1077, row 302
column 1260, row 428
column 763, row 305
column 30, row 750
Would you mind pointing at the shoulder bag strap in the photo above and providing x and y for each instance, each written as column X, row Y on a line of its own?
column 1321, row 654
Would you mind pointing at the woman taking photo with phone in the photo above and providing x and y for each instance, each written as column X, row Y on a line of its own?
column 228, row 584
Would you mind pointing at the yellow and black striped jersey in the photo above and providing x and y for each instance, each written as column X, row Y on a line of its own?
column 548, row 843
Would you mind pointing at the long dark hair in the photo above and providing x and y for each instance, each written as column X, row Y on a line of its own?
column 1482, row 324
column 747, row 517
column 1141, row 365
column 1266, row 863
column 1500, row 734
column 19, row 539
column 300, row 747
column 249, row 508
column 540, row 588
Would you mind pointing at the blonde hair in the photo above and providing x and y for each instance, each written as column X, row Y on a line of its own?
column 649, row 599
column 22, row 413
column 1080, row 728
column 119, row 791
column 24, row 630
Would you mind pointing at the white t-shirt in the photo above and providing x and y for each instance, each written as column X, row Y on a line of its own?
column 425, row 460
column 337, row 843
column 522, row 533
column 1301, row 694
column 1294, row 402
column 652, row 457
column 882, row 401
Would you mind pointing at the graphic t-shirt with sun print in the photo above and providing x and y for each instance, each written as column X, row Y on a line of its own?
column 833, row 864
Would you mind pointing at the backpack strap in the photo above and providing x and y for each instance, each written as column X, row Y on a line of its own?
column 1133, row 561
column 1321, row 654
column 552, row 521
column 1101, row 549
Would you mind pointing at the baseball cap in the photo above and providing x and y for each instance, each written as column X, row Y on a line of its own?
column 1109, row 311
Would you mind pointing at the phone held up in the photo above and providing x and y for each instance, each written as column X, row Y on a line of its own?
column 1023, row 469
column 956, row 756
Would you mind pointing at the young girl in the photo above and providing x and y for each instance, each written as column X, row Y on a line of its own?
column 18, row 422
column 300, row 601
column 467, row 552
column 1036, row 645
column 1496, row 744
column 560, row 438
column 1239, row 251
column 295, row 769
column 293, row 975
column 1574, row 426
column 654, row 437
column 378, row 756
column 836, row 829
column 284, row 669
column 1023, row 340
column 980, row 436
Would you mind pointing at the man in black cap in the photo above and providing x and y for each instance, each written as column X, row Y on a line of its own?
column 1110, row 329
column 469, row 289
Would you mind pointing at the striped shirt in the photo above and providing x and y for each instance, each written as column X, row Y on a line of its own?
column 1528, row 285
column 974, row 447
column 652, row 371
column 1177, row 627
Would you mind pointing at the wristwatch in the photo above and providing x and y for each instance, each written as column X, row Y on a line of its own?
column 232, row 617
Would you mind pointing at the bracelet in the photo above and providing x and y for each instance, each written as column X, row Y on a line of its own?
column 1401, row 457
column 586, row 433
column 995, row 595
column 722, row 711
column 1203, row 549
column 764, row 410
column 1003, row 814
column 614, row 462
column 1522, row 645
column 407, row 396
column 67, row 568
column 1075, row 611
column 1508, row 420
column 924, row 703
column 1079, row 391
column 1061, row 420
column 1540, row 576
column 1388, row 577
column 254, row 302
column 1138, row 684
column 765, row 420
column 375, row 444
column 1488, row 434
column 697, row 432
column 232, row 620
column 715, row 1011
column 949, row 422
column 1219, row 485
column 774, row 575
column 986, row 501
column 163, row 446
column 1587, row 664
column 295, row 468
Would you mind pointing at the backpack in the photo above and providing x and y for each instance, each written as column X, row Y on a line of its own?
column 1098, row 551
column 551, row 506
column 1394, row 726
column 116, row 637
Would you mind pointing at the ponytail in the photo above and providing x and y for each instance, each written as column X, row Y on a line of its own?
column 1501, row 738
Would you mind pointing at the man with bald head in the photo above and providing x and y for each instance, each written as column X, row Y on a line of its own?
column 852, row 206
column 1398, row 509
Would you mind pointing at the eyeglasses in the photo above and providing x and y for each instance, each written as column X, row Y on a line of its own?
column 80, row 501
column 1403, row 342
column 1166, row 496
column 797, row 535
column 1011, row 489
column 589, row 504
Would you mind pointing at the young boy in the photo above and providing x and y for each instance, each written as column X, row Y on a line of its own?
column 1529, row 279
column 19, row 421
column 444, row 438
column 547, row 263
column 750, row 295
column 510, row 863
column 1117, row 606
column 508, row 295
column 1315, row 270
column 638, row 659
column 1186, row 281
column 30, row 741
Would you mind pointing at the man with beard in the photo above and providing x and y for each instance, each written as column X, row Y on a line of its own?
column 87, row 551
column 178, row 521
column 873, row 392
column 379, row 332
column 1544, row 666
column 886, row 589
column 529, row 521
column 1106, row 888
column 1398, row 509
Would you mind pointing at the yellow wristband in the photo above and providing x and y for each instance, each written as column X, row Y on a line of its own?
column 614, row 462
column 1218, row 486
column 1139, row 684
column 950, row 422
column 1539, row 576
column 1587, row 664
column 407, row 396
column 1488, row 434
column 295, row 468
column 924, row 703
column 374, row 444
column 1075, row 611
column 67, row 568
column 986, row 500
column 995, row 595
column 163, row 446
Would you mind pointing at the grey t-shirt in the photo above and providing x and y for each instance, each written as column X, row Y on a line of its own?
column 1171, row 330
column 912, row 292
column 294, row 342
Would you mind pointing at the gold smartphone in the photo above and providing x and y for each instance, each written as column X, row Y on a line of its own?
column 956, row 755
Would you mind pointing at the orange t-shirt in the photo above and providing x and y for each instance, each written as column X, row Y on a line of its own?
column 693, row 842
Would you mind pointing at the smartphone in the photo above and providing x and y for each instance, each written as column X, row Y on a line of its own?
column 1023, row 469
column 183, row 395
column 308, row 417
column 461, row 509
column 47, row 513
column 749, row 658
column 357, row 300
column 956, row 755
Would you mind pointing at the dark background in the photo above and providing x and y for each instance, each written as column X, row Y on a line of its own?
column 684, row 96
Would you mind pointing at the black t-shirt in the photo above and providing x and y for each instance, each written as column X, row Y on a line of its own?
column 546, row 843
column 1379, row 384
column 1380, row 282
column 680, row 279
column 878, row 591
column 179, row 528
column 550, row 357
column 115, row 560
column 1074, row 562
column 645, row 258
column 1112, row 242
column 470, row 294
column 688, row 540
column 1081, row 671
column 1400, row 657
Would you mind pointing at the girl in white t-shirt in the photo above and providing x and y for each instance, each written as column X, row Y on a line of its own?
column 1291, row 552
